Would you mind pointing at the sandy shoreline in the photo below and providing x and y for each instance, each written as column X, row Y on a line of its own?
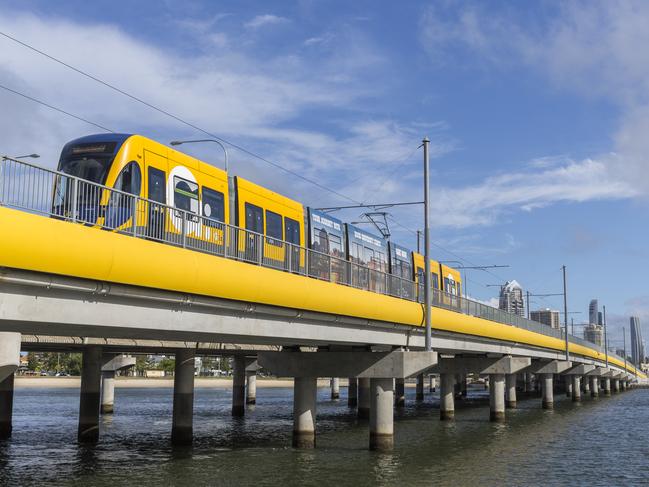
column 144, row 382
column 133, row 382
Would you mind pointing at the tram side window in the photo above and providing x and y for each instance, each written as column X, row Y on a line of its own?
column 254, row 218
column 449, row 285
column 157, row 185
column 185, row 195
column 213, row 205
column 336, row 245
column 273, row 228
column 434, row 281
column 130, row 179
column 292, row 231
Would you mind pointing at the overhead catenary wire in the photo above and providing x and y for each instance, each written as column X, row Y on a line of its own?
column 206, row 132
column 52, row 107
column 177, row 118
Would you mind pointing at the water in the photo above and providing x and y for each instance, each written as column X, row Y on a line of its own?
column 599, row 442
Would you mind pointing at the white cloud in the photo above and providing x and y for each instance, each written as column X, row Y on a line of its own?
column 595, row 49
column 264, row 20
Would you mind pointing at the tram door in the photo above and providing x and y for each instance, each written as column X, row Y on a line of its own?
column 156, row 179
column 254, row 223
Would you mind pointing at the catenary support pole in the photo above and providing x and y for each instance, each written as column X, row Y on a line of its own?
column 182, row 427
column 427, row 277
column 90, row 394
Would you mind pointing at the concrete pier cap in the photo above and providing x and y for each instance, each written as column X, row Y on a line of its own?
column 9, row 354
column 362, row 364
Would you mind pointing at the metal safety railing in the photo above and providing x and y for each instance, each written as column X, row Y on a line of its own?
column 35, row 189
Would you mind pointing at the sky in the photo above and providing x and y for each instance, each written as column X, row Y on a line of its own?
column 537, row 112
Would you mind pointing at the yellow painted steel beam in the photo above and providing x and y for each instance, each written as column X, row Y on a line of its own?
column 37, row 243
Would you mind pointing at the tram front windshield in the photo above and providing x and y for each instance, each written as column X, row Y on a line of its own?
column 90, row 162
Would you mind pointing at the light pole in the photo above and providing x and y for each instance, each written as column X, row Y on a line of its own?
column 624, row 335
column 427, row 297
column 565, row 311
column 605, row 336
column 28, row 156
column 225, row 151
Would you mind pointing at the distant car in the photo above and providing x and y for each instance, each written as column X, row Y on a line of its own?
column 43, row 373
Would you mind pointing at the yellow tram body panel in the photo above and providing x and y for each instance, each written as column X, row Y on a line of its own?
column 268, row 201
column 418, row 261
column 149, row 154
column 112, row 257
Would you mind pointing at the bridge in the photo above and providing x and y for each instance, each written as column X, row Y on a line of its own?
column 109, row 289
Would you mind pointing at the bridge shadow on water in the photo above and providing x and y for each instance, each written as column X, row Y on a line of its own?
column 533, row 447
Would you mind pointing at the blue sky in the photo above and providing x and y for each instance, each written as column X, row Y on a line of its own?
column 537, row 114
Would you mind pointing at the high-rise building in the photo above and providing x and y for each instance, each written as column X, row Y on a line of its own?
column 600, row 320
column 594, row 333
column 593, row 312
column 511, row 298
column 547, row 317
column 637, row 346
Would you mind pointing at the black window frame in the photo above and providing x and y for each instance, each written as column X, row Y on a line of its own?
column 260, row 212
column 277, row 222
column 189, row 194
column 292, row 229
column 152, row 174
column 219, row 198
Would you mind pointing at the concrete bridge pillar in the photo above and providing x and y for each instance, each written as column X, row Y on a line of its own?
column 529, row 382
column 9, row 362
column 239, row 386
column 446, row 397
column 497, row 397
column 567, row 380
column 548, row 393
column 510, row 399
column 381, row 414
column 335, row 388
column 594, row 386
column 305, row 391
column 182, row 430
column 6, row 406
column 432, row 383
column 88, row 431
column 586, row 384
column 576, row 388
column 363, row 398
column 400, row 393
column 251, row 387
column 607, row 386
column 107, row 391
column 420, row 388
column 352, row 392
column 616, row 385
